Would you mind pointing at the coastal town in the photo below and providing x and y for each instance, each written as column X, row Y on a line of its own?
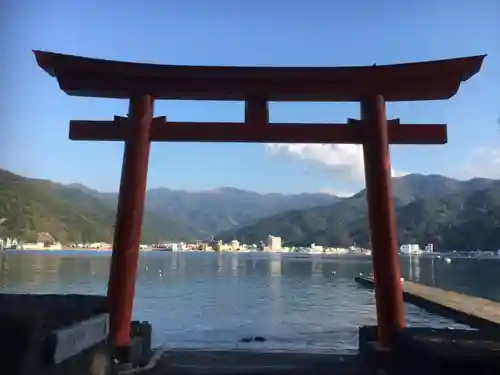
column 273, row 244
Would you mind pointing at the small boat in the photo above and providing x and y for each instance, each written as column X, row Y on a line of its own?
column 447, row 260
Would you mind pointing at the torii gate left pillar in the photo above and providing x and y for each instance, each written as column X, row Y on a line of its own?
column 128, row 226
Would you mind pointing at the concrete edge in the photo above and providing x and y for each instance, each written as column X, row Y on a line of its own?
column 158, row 353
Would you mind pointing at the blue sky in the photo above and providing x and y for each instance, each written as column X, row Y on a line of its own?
column 35, row 113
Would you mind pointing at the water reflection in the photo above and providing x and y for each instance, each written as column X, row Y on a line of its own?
column 234, row 265
column 209, row 299
column 54, row 272
column 414, row 267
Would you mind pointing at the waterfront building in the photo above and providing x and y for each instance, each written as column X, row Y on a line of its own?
column 273, row 243
column 315, row 249
column 410, row 249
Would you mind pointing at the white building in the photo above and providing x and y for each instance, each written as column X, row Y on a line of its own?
column 410, row 249
column 33, row 246
column 235, row 245
column 316, row 249
column 429, row 248
column 41, row 246
column 99, row 245
column 273, row 243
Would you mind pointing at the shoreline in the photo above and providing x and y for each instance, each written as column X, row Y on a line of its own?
column 435, row 256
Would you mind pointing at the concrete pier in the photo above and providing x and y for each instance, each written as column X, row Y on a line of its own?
column 475, row 312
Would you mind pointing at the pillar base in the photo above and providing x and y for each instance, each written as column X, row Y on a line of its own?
column 139, row 352
column 141, row 333
column 423, row 350
column 371, row 353
column 123, row 355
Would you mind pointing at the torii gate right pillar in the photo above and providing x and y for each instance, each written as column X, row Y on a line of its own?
column 388, row 289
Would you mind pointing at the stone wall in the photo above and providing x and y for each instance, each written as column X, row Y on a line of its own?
column 28, row 324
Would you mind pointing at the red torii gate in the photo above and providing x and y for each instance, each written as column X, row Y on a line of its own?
column 371, row 86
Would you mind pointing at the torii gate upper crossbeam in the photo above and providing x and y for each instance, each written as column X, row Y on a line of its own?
column 352, row 132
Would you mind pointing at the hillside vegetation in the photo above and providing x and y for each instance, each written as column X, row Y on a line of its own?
column 451, row 214
column 69, row 214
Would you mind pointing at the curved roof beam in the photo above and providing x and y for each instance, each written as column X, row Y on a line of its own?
column 432, row 80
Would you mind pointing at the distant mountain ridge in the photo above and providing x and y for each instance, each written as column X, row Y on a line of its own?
column 169, row 214
column 69, row 214
column 432, row 208
column 211, row 212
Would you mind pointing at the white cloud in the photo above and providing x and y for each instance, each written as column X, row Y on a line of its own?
column 396, row 173
column 483, row 162
column 338, row 193
column 346, row 160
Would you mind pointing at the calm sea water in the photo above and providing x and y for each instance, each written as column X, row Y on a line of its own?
column 202, row 300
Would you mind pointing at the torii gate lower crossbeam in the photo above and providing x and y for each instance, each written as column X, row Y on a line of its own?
column 370, row 86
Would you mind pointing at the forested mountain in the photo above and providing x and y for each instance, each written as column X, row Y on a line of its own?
column 77, row 213
column 449, row 213
column 210, row 212
column 69, row 214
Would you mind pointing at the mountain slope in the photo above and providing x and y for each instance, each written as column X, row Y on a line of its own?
column 210, row 212
column 69, row 214
column 466, row 214
column 466, row 221
column 417, row 186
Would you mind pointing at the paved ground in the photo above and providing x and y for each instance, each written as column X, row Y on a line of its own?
column 242, row 362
